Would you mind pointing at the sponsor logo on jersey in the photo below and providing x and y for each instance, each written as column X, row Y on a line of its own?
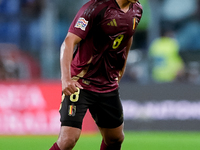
column 112, row 23
column 86, row 82
column 81, row 23
column 72, row 110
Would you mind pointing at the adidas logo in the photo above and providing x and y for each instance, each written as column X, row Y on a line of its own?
column 112, row 23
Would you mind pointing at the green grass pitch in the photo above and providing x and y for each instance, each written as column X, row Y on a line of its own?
column 133, row 141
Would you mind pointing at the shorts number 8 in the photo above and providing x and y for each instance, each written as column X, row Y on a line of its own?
column 74, row 97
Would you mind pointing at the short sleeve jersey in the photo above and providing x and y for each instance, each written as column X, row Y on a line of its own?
column 105, row 31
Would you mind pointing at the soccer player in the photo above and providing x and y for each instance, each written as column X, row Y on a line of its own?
column 93, row 58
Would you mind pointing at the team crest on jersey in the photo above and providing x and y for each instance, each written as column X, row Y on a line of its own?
column 81, row 23
column 72, row 110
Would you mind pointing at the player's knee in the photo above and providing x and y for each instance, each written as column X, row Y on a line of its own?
column 118, row 140
column 67, row 143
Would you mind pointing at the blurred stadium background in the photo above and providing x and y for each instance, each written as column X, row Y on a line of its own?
column 160, row 90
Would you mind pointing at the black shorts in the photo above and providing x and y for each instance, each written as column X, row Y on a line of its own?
column 105, row 108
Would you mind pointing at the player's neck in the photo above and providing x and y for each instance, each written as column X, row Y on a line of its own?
column 124, row 5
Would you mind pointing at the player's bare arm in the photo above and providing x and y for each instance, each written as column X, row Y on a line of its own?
column 66, row 54
column 127, row 51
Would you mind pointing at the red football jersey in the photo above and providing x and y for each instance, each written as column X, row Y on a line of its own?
column 105, row 31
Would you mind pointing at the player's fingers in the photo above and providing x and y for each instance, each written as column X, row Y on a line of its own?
column 67, row 93
column 79, row 86
column 75, row 87
column 72, row 88
column 69, row 90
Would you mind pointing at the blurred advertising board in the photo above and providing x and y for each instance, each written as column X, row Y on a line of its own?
column 161, row 106
column 33, row 108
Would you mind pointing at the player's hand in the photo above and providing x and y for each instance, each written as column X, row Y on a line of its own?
column 69, row 87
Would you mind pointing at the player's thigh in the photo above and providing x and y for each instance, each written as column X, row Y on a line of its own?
column 109, row 112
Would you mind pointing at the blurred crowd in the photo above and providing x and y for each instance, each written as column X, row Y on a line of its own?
column 166, row 46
